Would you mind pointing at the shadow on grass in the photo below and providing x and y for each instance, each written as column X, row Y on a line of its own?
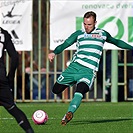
column 99, row 121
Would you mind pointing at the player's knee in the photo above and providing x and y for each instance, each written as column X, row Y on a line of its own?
column 58, row 88
column 55, row 89
column 9, row 107
column 82, row 88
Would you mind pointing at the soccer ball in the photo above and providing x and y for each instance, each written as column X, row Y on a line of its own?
column 40, row 117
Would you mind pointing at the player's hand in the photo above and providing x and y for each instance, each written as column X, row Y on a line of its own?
column 51, row 56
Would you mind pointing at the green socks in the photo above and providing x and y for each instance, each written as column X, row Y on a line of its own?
column 74, row 104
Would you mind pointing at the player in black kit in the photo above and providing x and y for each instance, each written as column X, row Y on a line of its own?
column 7, row 80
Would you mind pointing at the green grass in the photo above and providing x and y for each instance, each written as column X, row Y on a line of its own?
column 91, row 117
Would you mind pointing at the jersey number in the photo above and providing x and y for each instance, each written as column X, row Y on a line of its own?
column 60, row 78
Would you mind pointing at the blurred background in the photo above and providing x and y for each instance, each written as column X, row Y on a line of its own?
column 35, row 76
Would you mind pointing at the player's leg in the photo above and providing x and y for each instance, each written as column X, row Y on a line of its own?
column 58, row 88
column 82, row 88
column 85, row 78
column 65, row 80
column 6, row 100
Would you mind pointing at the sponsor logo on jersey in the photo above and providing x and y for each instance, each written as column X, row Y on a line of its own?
column 96, row 36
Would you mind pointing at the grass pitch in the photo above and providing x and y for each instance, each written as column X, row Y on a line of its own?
column 91, row 117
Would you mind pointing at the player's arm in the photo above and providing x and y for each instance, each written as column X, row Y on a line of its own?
column 13, row 54
column 117, row 42
column 58, row 50
column 68, row 42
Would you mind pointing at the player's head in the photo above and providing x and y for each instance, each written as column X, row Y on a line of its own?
column 89, row 21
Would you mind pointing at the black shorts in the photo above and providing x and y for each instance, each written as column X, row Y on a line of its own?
column 6, row 96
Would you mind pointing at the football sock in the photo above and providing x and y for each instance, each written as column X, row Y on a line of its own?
column 75, row 103
column 20, row 118
column 30, row 131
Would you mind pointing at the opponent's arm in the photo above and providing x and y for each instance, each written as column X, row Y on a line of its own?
column 13, row 56
column 117, row 42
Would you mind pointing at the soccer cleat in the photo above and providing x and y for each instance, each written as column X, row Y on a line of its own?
column 68, row 116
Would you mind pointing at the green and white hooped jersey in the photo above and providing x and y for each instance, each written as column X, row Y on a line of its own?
column 89, row 48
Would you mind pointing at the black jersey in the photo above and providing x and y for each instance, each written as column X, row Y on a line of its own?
column 7, row 44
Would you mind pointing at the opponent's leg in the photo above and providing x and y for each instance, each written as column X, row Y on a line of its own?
column 20, row 118
column 82, row 88
column 7, row 101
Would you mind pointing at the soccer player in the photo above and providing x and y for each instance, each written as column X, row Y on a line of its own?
column 85, row 62
column 7, row 80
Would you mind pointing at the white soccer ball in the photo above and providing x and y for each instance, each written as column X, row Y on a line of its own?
column 40, row 117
